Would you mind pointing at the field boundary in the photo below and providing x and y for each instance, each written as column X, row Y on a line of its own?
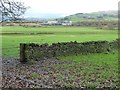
column 31, row 51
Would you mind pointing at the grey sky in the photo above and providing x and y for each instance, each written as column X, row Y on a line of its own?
column 40, row 8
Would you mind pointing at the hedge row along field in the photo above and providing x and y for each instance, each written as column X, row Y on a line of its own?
column 37, row 52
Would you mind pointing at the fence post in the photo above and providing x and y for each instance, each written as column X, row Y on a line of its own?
column 22, row 53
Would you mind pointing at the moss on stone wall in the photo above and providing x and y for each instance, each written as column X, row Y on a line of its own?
column 37, row 51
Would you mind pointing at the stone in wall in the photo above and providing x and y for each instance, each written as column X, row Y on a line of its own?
column 38, row 52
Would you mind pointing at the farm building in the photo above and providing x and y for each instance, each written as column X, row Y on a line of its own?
column 67, row 23
column 64, row 23
column 49, row 23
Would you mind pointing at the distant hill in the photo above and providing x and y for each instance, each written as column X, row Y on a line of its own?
column 105, row 15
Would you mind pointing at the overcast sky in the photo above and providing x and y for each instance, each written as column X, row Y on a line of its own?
column 45, row 8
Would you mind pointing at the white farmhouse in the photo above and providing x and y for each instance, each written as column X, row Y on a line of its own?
column 52, row 22
column 67, row 23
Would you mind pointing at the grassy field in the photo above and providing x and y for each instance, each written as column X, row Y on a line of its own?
column 76, row 71
column 12, row 36
column 92, row 70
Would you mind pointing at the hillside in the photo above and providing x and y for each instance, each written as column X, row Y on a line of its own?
column 106, row 15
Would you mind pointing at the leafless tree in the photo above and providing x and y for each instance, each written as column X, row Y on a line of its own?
column 11, row 9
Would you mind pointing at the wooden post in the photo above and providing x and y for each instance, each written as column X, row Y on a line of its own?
column 22, row 53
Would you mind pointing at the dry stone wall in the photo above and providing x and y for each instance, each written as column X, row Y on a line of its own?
column 33, row 51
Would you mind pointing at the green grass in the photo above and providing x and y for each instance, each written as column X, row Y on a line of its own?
column 90, row 70
column 11, row 41
column 34, row 75
column 95, row 70
column 100, row 58
column 56, row 30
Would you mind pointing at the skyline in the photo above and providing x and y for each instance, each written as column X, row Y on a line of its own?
column 61, row 8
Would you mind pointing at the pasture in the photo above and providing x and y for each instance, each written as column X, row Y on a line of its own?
column 92, row 70
column 12, row 36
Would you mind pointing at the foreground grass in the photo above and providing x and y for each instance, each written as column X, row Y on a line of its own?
column 81, row 71
column 93, row 70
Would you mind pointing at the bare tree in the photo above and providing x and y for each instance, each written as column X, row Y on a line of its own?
column 11, row 9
